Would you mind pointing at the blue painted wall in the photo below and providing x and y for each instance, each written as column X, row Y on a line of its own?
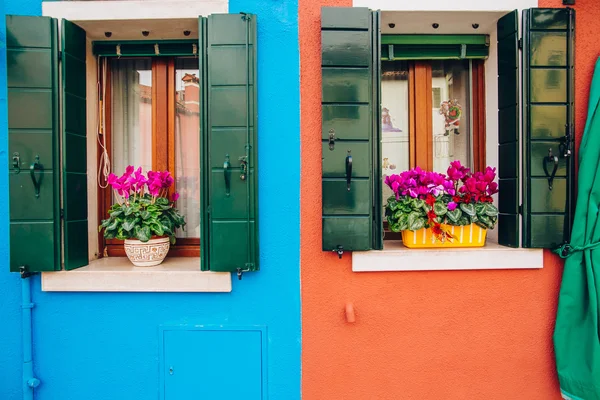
column 106, row 345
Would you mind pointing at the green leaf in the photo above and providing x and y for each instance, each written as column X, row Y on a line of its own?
column 487, row 221
column 479, row 208
column 440, row 208
column 113, row 225
column 129, row 223
column 162, row 201
column 115, row 213
column 454, row 215
column 143, row 233
column 157, row 229
column 464, row 220
column 395, row 227
column 418, row 203
column 418, row 224
column 145, row 214
column 491, row 210
column 468, row 209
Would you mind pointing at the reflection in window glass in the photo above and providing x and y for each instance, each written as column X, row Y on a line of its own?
column 394, row 120
column 450, row 114
column 131, row 113
column 187, row 143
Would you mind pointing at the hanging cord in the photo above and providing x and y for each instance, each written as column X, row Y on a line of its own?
column 567, row 250
column 104, row 164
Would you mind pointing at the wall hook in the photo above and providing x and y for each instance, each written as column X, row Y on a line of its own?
column 340, row 251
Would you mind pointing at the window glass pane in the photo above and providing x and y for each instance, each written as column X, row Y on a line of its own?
column 451, row 114
column 187, row 144
column 131, row 114
column 394, row 120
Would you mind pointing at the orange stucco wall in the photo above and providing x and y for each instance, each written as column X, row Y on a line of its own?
column 421, row 335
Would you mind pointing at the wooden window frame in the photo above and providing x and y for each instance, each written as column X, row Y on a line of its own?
column 420, row 139
column 163, row 151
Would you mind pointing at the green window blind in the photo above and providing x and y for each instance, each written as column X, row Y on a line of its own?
column 549, row 164
column 145, row 48
column 431, row 47
column 74, row 146
column 32, row 68
column 350, row 144
column 34, row 107
column 229, row 145
column 508, row 130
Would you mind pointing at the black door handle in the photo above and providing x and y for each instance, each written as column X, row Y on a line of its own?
column 36, row 182
column 550, row 159
column 227, row 175
column 348, row 170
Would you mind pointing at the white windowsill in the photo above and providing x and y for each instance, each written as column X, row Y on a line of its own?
column 117, row 274
column 396, row 257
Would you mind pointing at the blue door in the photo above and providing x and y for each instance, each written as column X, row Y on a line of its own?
column 212, row 364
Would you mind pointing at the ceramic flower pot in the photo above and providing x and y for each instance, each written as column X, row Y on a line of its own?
column 148, row 254
column 464, row 236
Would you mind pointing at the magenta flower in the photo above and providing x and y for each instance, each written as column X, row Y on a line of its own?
column 175, row 196
column 452, row 206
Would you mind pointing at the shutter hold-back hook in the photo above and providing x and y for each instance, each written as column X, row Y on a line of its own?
column 553, row 160
column 340, row 251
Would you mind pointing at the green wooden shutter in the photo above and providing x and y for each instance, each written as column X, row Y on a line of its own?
column 548, row 126
column 377, row 228
column 508, row 130
column 74, row 146
column 32, row 67
column 348, row 130
column 229, row 173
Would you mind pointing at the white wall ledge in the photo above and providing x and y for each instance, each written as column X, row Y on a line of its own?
column 396, row 257
column 117, row 274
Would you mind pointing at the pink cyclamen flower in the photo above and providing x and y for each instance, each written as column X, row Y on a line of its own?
column 452, row 206
column 175, row 196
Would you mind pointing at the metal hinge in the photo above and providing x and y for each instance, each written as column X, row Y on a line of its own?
column 62, row 213
column 520, row 44
column 60, row 55
column 521, row 209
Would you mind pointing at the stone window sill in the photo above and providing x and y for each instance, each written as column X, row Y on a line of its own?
column 396, row 257
column 117, row 274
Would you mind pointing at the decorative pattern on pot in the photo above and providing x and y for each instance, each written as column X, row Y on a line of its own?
column 463, row 236
column 148, row 254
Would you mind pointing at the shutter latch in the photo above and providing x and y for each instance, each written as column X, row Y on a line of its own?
column 565, row 147
column 340, row 251
column 249, row 267
column 331, row 139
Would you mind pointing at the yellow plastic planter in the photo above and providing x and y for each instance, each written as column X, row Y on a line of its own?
column 464, row 236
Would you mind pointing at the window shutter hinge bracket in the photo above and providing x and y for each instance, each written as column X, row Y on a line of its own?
column 26, row 274
column 60, row 56
column 521, row 209
column 520, row 44
column 62, row 213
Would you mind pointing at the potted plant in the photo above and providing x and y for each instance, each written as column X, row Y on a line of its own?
column 143, row 215
column 437, row 210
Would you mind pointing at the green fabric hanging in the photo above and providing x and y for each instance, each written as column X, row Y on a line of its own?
column 577, row 332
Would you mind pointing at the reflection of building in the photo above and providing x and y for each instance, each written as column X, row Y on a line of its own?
column 187, row 145
column 187, row 151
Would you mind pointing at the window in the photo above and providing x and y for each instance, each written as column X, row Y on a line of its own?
column 185, row 105
column 395, row 89
column 428, row 116
column 153, row 121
